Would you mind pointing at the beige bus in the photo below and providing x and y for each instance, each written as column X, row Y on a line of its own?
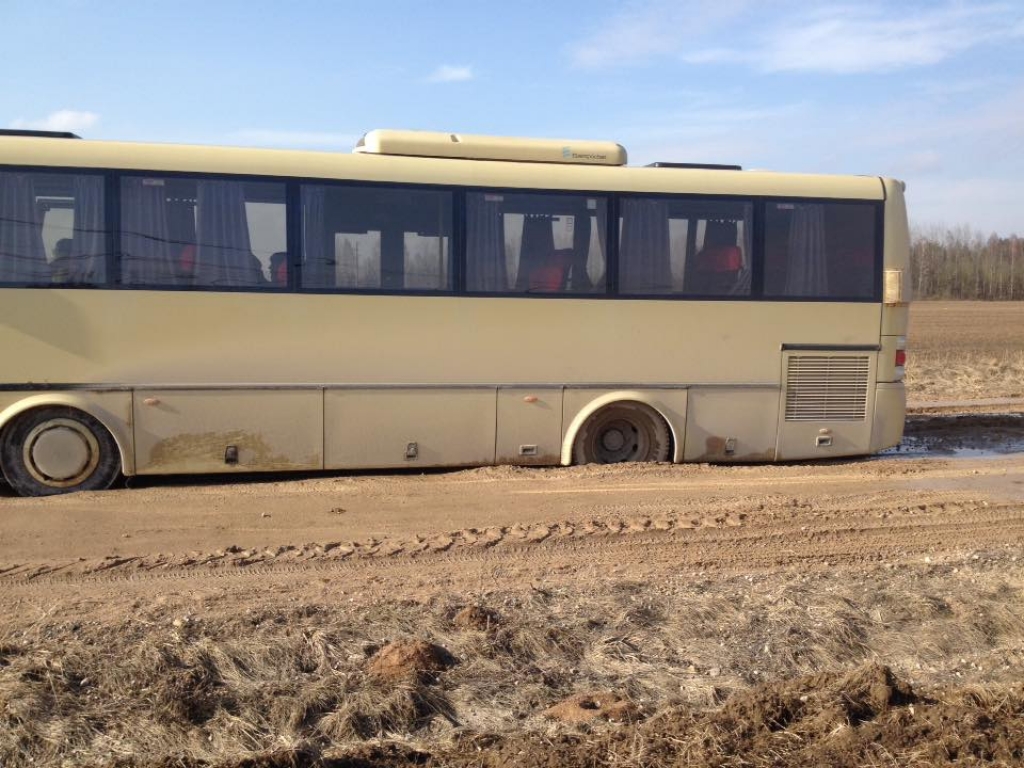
column 435, row 300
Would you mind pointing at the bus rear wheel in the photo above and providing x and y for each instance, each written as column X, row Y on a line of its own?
column 622, row 432
column 58, row 450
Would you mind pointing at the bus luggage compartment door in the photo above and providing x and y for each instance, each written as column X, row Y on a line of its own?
column 227, row 430
column 826, row 403
column 376, row 428
column 529, row 425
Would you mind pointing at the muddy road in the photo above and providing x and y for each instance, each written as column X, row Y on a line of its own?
column 944, row 487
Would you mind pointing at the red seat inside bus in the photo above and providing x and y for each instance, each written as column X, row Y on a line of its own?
column 717, row 265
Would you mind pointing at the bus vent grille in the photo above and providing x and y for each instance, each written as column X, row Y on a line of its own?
column 827, row 388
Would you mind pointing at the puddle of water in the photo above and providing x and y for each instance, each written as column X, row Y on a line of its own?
column 917, row 449
column 976, row 436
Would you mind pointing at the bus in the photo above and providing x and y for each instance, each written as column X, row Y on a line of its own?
column 435, row 300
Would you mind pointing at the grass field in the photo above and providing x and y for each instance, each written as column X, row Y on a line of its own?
column 965, row 350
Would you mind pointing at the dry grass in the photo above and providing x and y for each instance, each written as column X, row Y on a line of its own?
column 294, row 685
column 965, row 350
column 963, row 375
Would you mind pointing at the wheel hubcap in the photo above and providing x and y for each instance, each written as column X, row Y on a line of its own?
column 618, row 441
column 613, row 440
column 61, row 452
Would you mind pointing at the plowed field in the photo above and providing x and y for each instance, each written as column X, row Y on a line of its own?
column 861, row 613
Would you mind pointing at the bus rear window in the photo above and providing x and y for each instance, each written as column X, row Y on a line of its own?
column 820, row 250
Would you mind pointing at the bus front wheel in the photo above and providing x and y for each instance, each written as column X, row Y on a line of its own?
column 622, row 432
column 58, row 450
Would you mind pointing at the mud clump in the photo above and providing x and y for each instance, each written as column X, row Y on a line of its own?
column 477, row 618
column 596, row 705
column 409, row 660
column 811, row 707
column 850, row 719
column 866, row 716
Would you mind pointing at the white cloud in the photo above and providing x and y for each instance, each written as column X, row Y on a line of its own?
column 293, row 139
column 846, row 39
column 61, row 120
column 836, row 38
column 656, row 29
column 449, row 74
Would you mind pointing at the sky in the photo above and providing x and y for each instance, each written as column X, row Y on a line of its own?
column 928, row 92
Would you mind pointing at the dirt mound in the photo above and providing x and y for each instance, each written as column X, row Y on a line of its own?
column 596, row 705
column 409, row 659
column 477, row 617
column 864, row 717
column 811, row 707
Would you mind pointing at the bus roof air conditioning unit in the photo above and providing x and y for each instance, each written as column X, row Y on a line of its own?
column 471, row 147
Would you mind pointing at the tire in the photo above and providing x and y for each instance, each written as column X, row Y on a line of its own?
column 624, row 431
column 48, row 451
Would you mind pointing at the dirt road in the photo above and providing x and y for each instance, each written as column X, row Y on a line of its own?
column 728, row 516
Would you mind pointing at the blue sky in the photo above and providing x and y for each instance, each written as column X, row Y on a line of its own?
column 930, row 92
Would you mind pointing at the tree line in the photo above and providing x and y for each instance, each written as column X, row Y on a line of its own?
column 960, row 263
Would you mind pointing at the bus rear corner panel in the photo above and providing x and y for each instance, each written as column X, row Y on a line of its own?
column 890, row 416
column 827, row 404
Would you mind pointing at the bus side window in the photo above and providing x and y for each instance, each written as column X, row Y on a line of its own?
column 376, row 238
column 52, row 228
column 685, row 247
column 201, row 233
column 535, row 243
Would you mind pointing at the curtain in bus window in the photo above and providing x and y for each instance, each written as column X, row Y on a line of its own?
column 578, row 278
column 146, row 252
column 316, row 271
column 537, row 257
column 644, row 252
column 89, row 240
column 223, row 254
column 597, row 268
column 22, row 253
column 807, row 273
column 485, row 244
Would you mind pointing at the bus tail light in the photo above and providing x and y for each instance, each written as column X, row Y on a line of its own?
column 901, row 358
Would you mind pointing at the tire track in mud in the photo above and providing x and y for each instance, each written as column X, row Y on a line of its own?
column 782, row 537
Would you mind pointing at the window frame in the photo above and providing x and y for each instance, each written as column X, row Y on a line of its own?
column 611, row 249
column 755, row 255
column 114, row 181
column 455, row 257
column 109, row 235
column 878, row 245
